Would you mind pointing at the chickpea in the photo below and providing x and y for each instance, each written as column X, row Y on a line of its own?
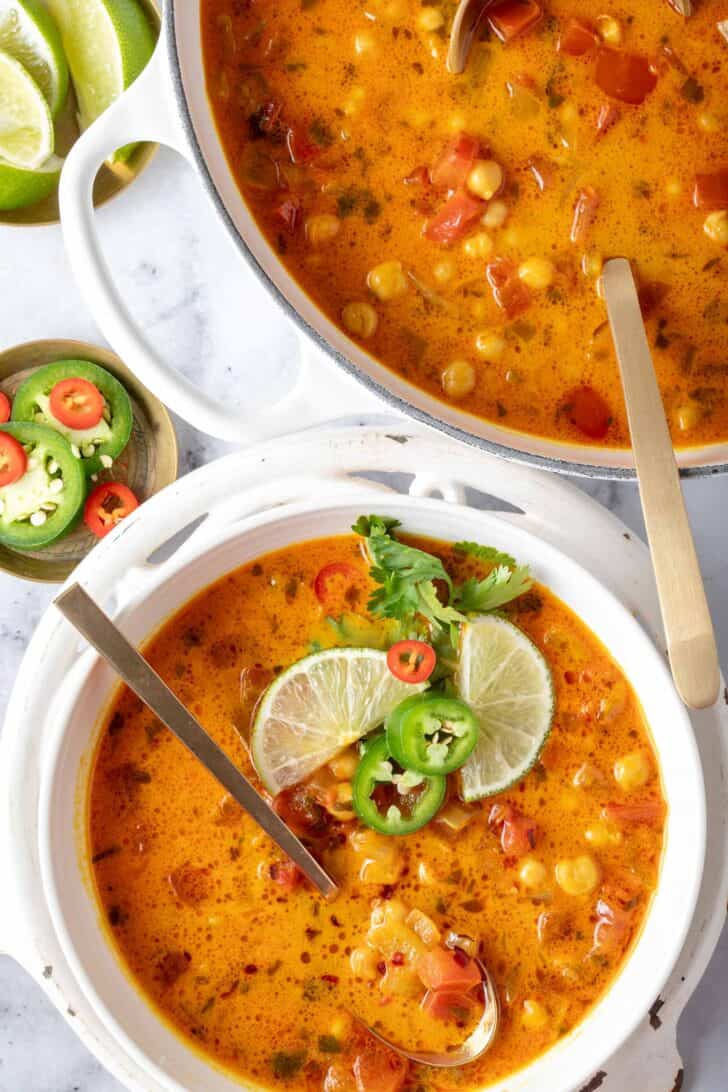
column 708, row 122
column 577, row 875
column 533, row 1015
column 715, row 227
column 495, row 215
column 610, row 30
column 458, row 379
column 490, row 345
column 478, row 246
column 444, row 271
column 363, row 963
column 343, row 767
column 485, row 178
column 388, row 280
column 364, row 42
column 360, row 319
column 537, row 273
column 599, row 836
column 430, row 18
column 688, row 415
column 632, row 771
column 532, row 873
column 322, row 228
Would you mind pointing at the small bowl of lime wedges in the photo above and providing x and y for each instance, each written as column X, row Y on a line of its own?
column 62, row 63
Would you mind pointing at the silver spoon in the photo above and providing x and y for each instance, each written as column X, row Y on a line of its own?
column 476, row 1044
column 462, row 33
column 79, row 608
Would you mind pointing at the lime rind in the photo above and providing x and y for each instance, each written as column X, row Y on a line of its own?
column 506, row 680
column 20, row 187
column 26, row 126
column 319, row 706
column 29, row 33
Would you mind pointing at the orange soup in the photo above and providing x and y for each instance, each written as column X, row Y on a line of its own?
column 558, row 839
column 456, row 226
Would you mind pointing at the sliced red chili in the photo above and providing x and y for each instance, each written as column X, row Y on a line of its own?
column 711, row 190
column 588, row 412
column 13, row 460
column 76, row 403
column 4, row 408
column 628, row 77
column 577, row 38
column 509, row 18
column 339, row 580
column 454, row 219
column 411, row 661
column 454, row 165
column 509, row 291
column 106, row 506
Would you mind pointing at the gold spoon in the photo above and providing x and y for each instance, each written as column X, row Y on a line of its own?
column 476, row 1044
column 685, row 614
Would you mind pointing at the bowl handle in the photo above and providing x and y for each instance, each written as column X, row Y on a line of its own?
column 147, row 112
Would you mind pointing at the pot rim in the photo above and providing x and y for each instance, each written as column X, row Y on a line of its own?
column 574, row 575
column 554, row 463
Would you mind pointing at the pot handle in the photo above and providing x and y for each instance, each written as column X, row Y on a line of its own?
column 147, row 111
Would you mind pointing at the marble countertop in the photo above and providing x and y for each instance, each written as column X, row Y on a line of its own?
column 180, row 276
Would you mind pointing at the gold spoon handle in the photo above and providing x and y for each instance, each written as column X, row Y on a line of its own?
column 86, row 616
column 685, row 614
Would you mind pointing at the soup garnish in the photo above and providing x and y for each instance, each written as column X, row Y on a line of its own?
column 506, row 806
column 456, row 226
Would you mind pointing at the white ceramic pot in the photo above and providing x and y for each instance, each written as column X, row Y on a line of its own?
column 168, row 103
column 169, row 1063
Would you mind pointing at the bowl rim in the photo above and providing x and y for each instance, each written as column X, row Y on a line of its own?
column 652, row 666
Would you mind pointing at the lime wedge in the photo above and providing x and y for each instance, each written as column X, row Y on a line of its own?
column 19, row 187
column 107, row 43
column 26, row 126
column 505, row 679
column 319, row 706
column 28, row 33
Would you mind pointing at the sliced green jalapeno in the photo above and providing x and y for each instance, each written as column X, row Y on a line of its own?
column 432, row 734
column 390, row 799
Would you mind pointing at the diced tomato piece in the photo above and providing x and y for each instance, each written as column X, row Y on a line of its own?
column 589, row 412
column 299, row 809
column 443, row 969
column 612, row 928
column 420, row 176
column 577, row 38
column 447, row 1004
column 607, row 117
column 454, row 219
column 509, row 291
column 509, row 18
column 518, row 833
column 650, row 813
column 651, row 295
column 378, row 1069
column 628, row 77
column 711, row 190
column 172, row 966
column 286, row 874
column 190, row 885
column 455, row 163
column 4, row 408
column 585, row 209
column 289, row 211
column 300, row 148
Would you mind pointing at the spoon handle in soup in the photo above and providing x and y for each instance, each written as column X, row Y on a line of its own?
column 685, row 614
column 77, row 606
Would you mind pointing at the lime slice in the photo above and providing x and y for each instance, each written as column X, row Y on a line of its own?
column 107, row 43
column 319, row 706
column 505, row 679
column 26, row 126
column 28, row 33
column 19, row 187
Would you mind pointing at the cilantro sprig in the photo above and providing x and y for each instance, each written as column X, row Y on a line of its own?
column 408, row 579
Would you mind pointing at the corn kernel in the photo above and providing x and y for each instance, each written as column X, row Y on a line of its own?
column 673, row 186
column 533, row 1015
column 610, row 29
column 457, row 122
column 485, row 178
column 423, row 926
column 355, row 101
column 591, row 263
column 444, row 271
column 360, row 319
column 532, row 873
column 688, row 415
column 340, row 1026
column 343, row 767
column 388, row 280
column 322, row 228
column 708, row 122
column 478, row 246
column 632, row 771
column 430, row 18
column 597, row 835
column 495, row 215
column 490, row 345
column 364, row 42
column 537, row 273
column 458, row 379
column 363, row 963
column 715, row 227
column 577, row 875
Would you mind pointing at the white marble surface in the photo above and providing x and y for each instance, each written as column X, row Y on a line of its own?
column 180, row 275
